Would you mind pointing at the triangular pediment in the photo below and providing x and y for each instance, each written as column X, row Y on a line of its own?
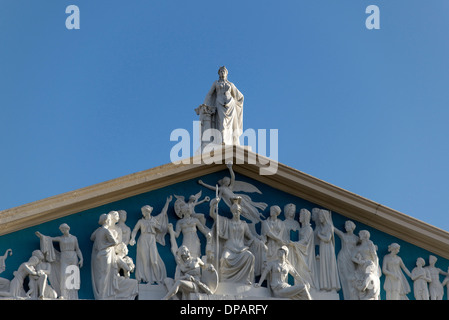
column 277, row 184
column 249, row 164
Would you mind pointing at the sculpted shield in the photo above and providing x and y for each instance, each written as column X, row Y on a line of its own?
column 209, row 277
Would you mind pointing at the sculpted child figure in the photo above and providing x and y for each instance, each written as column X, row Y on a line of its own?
column 421, row 278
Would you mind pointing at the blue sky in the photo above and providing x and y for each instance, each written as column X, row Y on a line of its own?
column 366, row 110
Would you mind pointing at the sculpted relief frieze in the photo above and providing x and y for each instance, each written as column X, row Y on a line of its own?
column 238, row 248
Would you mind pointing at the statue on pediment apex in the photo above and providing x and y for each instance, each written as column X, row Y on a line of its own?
column 222, row 109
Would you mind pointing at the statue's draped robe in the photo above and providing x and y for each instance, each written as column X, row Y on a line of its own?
column 237, row 261
column 228, row 118
column 149, row 265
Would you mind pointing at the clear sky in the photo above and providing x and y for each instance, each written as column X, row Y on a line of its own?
column 366, row 110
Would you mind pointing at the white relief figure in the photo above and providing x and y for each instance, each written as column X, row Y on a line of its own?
column 107, row 283
column 421, row 278
column 290, row 224
column 272, row 233
column 16, row 289
column 366, row 280
column 113, row 227
column 126, row 288
column 191, row 203
column 125, row 264
column 279, row 269
column 436, row 289
column 150, row 267
column 346, row 267
column 4, row 283
column 328, row 272
column 368, row 266
column 228, row 103
column 236, row 260
column 446, row 284
column 188, row 225
column 226, row 188
column 69, row 255
column 187, row 275
column 103, row 266
column 368, row 249
column 304, row 248
column 39, row 288
column 395, row 285
column 125, row 230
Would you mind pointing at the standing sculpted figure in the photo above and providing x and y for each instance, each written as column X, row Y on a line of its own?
column 125, row 230
column 290, row 224
column 103, row 259
column 421, row 277
column 150, row 267
column 108, row 258
column 395, row 285
column 305, row 247
column 70, row 255
column 436, row 289
column 228, row 103
column 367, row 272
column 328, row 272
column 346, row 267
column 188, row 225
column 273, row 232
column 279, row 269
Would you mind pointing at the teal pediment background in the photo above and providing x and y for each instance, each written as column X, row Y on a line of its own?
column 83, row 223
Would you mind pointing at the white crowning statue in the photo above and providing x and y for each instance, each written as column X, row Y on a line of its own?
column 227, row 102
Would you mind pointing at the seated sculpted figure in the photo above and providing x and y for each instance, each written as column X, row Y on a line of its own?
column 279, row 270
column 236, row 259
